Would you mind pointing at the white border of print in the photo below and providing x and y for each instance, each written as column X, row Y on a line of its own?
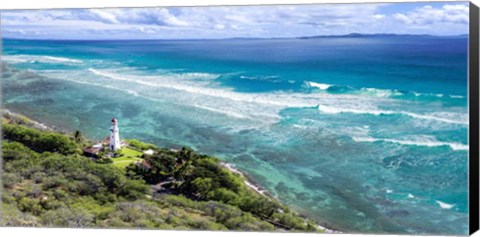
column 62, row 232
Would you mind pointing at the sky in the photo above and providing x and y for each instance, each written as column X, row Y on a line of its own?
column 435, row 18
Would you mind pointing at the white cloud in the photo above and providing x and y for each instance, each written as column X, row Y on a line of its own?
column 246, row 21
column 107, row 16
column 449, row 14
column 378, row 16
column 220, row 26
column 148, row 30
column 147, row 16
column 403, row 18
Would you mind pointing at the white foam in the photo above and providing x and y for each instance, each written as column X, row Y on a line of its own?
column 335, row 110
column 183, row 82
column 389, row 93
column 131, row 92
column 385, row 93
column 220, row 111
column 300, row 126
column 417, row 141
column 439, row 119
column 321, row 86
column 186, row 82
column 257, row 78
column 38, row 58
column 149, row 80
column 13, row 59
column 61, row 59
column 202, row 92
column 372, row 111
column 439, row 95
column 380, row 92
column 444, row 205
column 262, row 108
column 410, row 195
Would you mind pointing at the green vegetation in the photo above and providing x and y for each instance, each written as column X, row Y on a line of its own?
column 47, row 182
column 139, row 145
column 40, row 141
column 127, row 157
column 129, row 152
column 200, row 177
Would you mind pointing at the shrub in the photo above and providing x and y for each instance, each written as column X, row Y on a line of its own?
column 140, row 145
column 66, row 217
column 17, row 151
column 224, row 195
column 9, row 180
column 40, row 141
column 104, row 160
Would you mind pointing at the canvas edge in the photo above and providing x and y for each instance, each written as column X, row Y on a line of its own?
column 474, row 176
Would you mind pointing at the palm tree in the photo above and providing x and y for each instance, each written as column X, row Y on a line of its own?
column 185, row 155
column 184, row 163
column 78, row 136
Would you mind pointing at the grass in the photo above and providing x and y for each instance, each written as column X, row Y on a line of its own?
column 130, row 152
column 127, row 157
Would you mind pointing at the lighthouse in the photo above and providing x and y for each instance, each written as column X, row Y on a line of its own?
column 114, row 136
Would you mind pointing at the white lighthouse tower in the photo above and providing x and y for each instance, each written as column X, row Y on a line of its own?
column 114, row 136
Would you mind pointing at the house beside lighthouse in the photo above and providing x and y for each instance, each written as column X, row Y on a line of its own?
column 114, row 143
column 113, row 150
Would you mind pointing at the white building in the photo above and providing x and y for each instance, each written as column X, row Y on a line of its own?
column 115, row 143
column 149, row 152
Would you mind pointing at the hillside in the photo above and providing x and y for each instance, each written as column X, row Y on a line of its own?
column 47, row 181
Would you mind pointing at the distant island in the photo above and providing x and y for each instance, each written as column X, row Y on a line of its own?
column 51, row 180
column 360, row 35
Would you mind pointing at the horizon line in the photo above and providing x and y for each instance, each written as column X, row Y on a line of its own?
column 353, row 34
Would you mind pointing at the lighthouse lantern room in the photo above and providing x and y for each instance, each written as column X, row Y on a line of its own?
column 114, row 136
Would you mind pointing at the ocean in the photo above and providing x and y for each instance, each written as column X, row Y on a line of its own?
column 364, row 134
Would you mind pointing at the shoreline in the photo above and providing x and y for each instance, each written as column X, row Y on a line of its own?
column 27, row 120
column 249, row 182
column 264, row 192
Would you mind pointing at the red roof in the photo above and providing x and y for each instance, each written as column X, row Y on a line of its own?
column 91, row 150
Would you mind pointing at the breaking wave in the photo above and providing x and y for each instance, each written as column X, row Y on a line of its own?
column 320, row 86
column 335, row 110
column 185, row 82
column 375, row 92
column 418, row 141
column 38, row 59
column 444, row 205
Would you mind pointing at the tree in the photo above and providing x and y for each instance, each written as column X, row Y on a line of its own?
column 162, row 164
column 185, row 155
column 134, row 189
column 39, row 141
column 77, row 135
column 201, row 186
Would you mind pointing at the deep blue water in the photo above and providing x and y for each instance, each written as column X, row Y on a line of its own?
column 364, row 134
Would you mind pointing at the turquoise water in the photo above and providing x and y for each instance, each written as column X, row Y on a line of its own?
column 363, row 134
